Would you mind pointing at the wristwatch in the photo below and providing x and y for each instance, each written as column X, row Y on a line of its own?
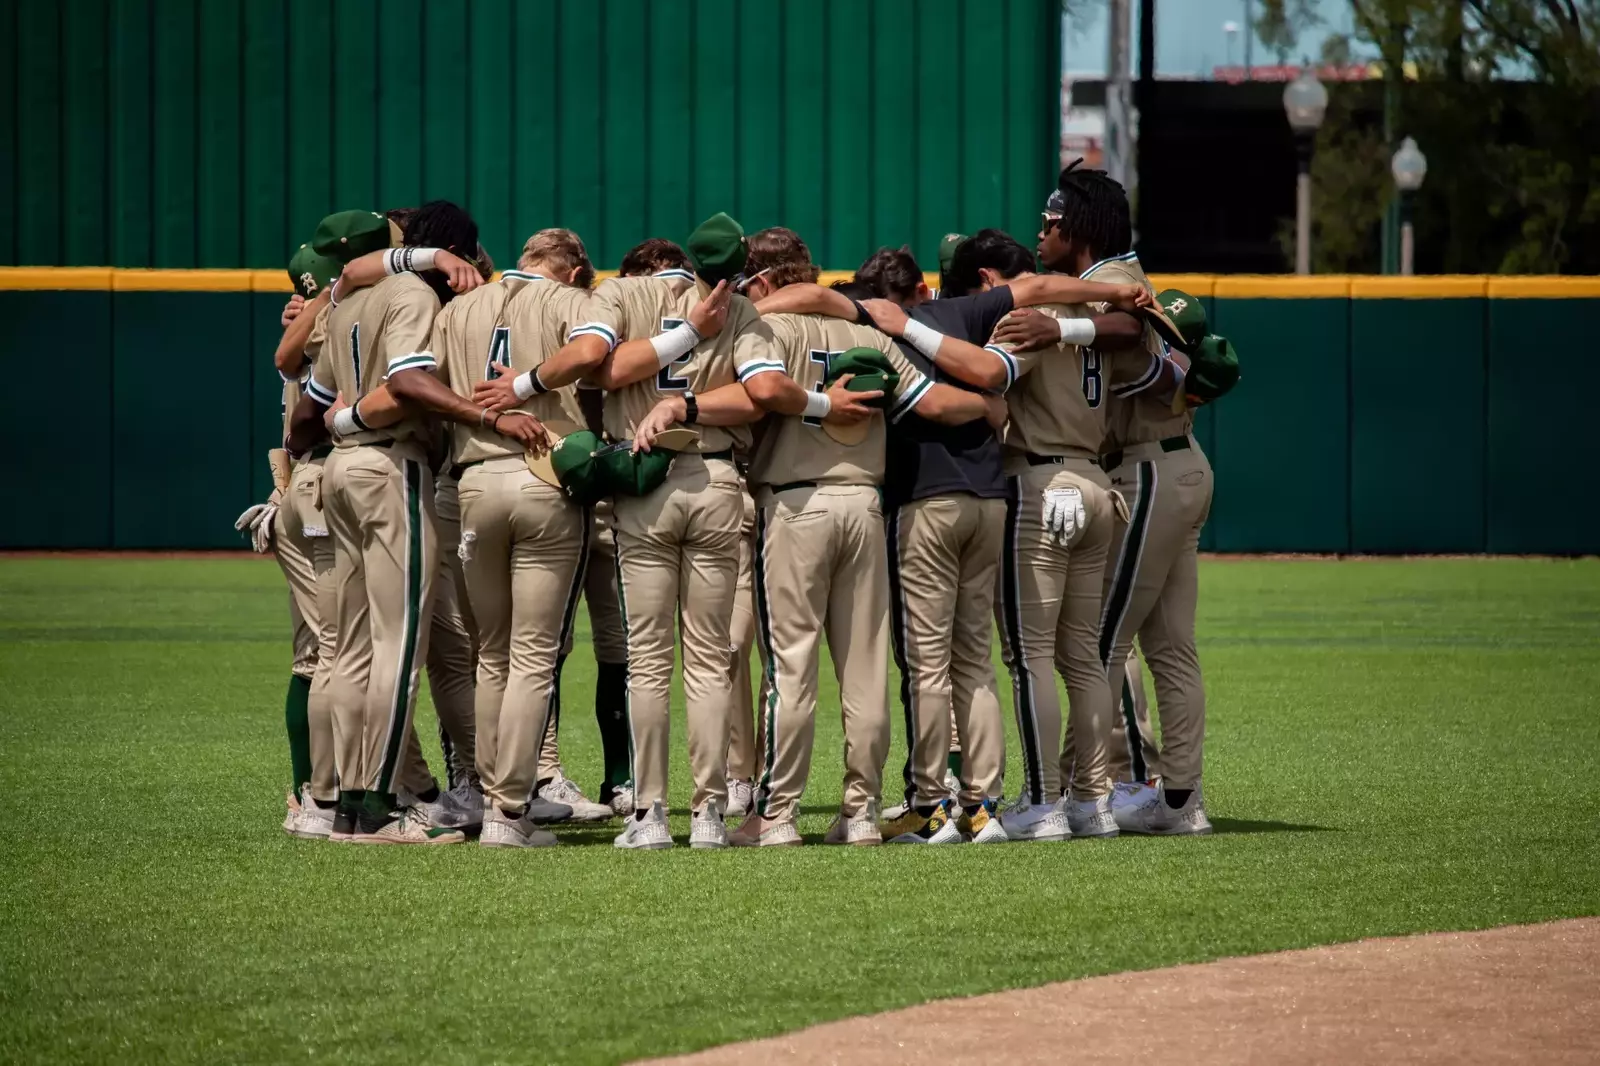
column 691, row 408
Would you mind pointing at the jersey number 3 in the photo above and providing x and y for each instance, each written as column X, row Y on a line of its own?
column 666, row 381
column 1091, row 377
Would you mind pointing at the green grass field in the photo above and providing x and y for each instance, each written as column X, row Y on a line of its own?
column 1393, row 747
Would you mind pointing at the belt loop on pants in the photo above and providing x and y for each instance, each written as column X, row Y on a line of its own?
column 1175, row 444
column 461, row 468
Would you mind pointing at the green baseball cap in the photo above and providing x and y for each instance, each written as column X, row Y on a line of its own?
column 1213, row 370
column 578, row 472
column 310, row 272
column 716, row 248
column 947, row 250
column 872, row 372
column 630, row 473
column 347, row 235
column 1179, row 318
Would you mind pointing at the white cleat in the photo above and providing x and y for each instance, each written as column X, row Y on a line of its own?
column 406, row 826
column 562, row 789
column 859, row 829
column 758, row 832
column 1035, row 821
column 1090, row 818
column 500, row 830
column 741, row 798
column 314, row 822
column 622, row 801
column 291, row 816
column 707, row 829
column 1130, row 794
column 462, row 806
column 897, row 812
column 437, row 812
column 1154, row 817
column 649, row 833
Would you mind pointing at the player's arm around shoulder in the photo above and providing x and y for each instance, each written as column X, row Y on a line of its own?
column 935, row 401
column 759, row 356
column 981, row 367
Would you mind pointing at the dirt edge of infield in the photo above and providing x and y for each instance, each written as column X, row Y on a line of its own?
column 1518, row 993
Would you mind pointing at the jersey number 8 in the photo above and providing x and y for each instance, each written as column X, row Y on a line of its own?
column 1091, row 377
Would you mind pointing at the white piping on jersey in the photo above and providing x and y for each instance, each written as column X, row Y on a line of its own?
column 1007, row 360
column 674, row 272
column 1127, row 257
column 760, row 366
column 910, row 400
column 415, row 361
column 521, row 275
column 320, row 394
column 595, row 329
column 1150, row 375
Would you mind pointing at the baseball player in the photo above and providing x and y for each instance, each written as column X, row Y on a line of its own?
column 306, row 558
column 1058, row 527
column 685, row 342
column 946, row 489
column 820, row 560
column 378, row 499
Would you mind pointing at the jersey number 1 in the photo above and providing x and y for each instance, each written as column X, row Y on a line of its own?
column 499, row 351
column 824, row 360
column 1091, row 377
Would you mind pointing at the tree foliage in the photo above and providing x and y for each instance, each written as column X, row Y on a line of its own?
column 1514, row 165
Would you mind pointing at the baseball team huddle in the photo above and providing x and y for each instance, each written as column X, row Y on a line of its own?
column 713, row 451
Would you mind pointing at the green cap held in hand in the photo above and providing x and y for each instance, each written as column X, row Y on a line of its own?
column 872, row 373
column 1179, row 318
column 1213, row 370
column 576, row 468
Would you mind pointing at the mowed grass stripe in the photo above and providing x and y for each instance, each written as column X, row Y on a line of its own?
column 1393, row 747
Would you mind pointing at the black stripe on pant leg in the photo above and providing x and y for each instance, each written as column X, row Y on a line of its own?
column 758, row 574
column 1021, row 677
column 399, row 713
column 627, row 671
column 1129, row 554
column 897, row 633
column 569, row 614
column 451, row 775
column 1130, row 719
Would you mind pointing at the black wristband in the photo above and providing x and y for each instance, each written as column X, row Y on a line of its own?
column 862, row 317
column 691, row 408
column 355, row 416
column 539, row 387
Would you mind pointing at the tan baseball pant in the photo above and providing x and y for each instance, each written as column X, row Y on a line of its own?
column 742, row 734
column 944, row 553
column 523, row 549
column 1049, row 617
column 452, row 642
column 1151, row 587
column 305, row 555
column 607, row 638
column 677, row 563
column 822, row 568
column 1133, row 754
column 379, row 505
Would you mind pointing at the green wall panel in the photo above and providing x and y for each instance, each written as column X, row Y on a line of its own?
column 1417, row 425
column 180, row 475
column 8, row 124
column 266, row 107
column 219, row 193
column 84, row 234
column 62, row 485
column 1538, row 501
column 1282, row 437
column 1205, row 432
column 39, row 77
column 492, row 93
column 173, row 135
column 265, row 401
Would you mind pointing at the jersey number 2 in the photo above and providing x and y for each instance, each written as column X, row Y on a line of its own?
column 1091, row 377
column 666, row 381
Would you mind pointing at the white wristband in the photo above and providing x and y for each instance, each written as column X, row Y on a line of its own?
column 400, row 260
column 817, row 405
column 525, row 385
column 344, row 423
column 1076, row 330
column 923, row 338
column 674, row 344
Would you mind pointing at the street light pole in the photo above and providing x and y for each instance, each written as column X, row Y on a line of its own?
column 1409, row 166
column 1305, row 100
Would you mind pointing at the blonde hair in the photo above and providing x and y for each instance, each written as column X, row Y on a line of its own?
column 559, row 249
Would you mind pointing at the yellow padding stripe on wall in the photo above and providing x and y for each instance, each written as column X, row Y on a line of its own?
column 1226, row 286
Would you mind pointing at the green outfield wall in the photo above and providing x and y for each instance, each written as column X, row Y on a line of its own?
column 1387, row 415
column 215, row 133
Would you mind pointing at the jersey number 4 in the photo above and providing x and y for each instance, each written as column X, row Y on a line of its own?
column 666, row 381
column 1091, row 377
column 824, row 360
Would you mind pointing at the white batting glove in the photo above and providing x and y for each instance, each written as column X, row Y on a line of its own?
column 1064, row 516
column 258, row 521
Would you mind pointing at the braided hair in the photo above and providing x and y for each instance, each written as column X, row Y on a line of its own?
column 441, row 224
column 1094, row 211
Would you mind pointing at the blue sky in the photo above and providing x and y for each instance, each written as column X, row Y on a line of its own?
column 1190, row 40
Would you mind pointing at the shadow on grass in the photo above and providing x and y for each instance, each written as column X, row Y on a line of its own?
column 1245, row 825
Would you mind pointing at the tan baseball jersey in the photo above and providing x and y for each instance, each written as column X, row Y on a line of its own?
column 292, row 387
column 1134, row 418
column 794, row 448
column 639, row 308
column 372, row 333
column 1057, row 404
column 515, row 323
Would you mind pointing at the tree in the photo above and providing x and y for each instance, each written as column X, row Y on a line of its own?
column 1514, row 167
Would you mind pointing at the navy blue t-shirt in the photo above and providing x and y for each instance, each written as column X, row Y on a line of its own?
column 929, row 459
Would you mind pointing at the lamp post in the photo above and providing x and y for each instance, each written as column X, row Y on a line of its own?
column 1306, row 102
column 1409, row 166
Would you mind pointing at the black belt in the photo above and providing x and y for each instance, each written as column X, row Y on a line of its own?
column 1034, row 459
column 321, row 451
column 460, row 468
column 378, row 443
column 726, row 453
column 787, row 485
column 1112, row 460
